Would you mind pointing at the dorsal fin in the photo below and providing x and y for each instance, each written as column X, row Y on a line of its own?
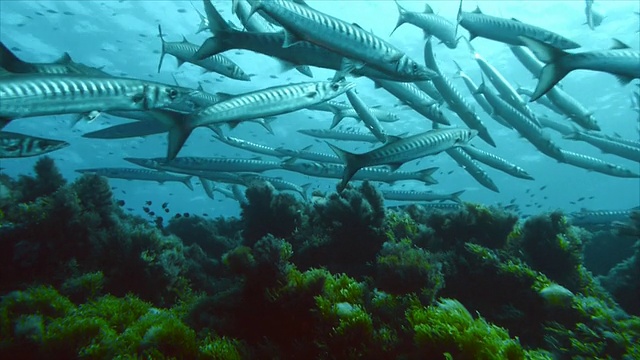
column 617, row 44
column 477, row 10
column 428, row 9
column 64, row 59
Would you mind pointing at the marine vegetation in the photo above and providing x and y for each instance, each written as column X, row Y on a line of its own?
column 338, row 278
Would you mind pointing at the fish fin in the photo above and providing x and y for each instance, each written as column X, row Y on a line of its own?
column 290, row 39
column 306, row 148
column 216, row 22
column 425, row 175
column 180, row 62
column 4, row 121
column 401, row 17
column 428, row 9
column 618, row 45
column 477, row 10
column 8, row 59
column 187, row 182
column 351, row 162
column 394, row 166
column 290, row 160
column 337, row 118
column 207, row 186
column 211, row 46
column 305, row 70
column 265, row 124
column 549, row 76
column 544, row 52
column 64, row 59
column 551, row 73
column 224, row 95
column 516, row 20
column 393, row 138
column 179, row 129
column 456, row 196
column 623, row 80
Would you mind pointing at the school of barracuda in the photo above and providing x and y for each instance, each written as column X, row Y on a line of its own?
column 302, row 38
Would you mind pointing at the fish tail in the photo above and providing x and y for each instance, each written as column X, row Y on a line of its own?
column 401, row 17
column 551, row 73
column 179, row 129
column 456, row 196
column 351, row 162
column 425, row 175
column 162, row 52
column 8, row 60
column 213, row 45
column 255, row 6
column 187, row 181
column 337, row 118
column 458, row 19
column 304, row 70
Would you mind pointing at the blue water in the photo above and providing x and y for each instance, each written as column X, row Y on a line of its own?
column 121, row 37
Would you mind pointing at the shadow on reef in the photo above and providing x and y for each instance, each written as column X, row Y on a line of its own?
column 340, row 277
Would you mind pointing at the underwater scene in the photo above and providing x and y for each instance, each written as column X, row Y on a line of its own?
column 319, row 179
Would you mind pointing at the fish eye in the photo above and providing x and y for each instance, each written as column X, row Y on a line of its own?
column 172, row 93
column 335, row 86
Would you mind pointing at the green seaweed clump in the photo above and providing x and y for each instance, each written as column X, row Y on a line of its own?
column 48, row 179
column 448, row 328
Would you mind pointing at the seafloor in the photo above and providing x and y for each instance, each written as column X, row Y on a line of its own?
column 339, row 277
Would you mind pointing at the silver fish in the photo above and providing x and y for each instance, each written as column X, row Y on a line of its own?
column 27, row 95
column 472, row 167
column 14, row 145
column 184, row 51
column 620, row 61
column 412, row 195
column 430, row 23
column 595, row 164
column 508, row 30
column 358, row 46
column 305, row 154
column 606, row 145
column 497, row 162
column 250, row 146
column 210, row 164
column 368, row 119
column 258, row 104
column 138, row 174
column 344, row 135
column 454, row 99
column 398, row 151
column 418, row 100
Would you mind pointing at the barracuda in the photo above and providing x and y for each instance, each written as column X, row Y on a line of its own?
column 595, row 164
column 258, row 104
column 473, row 88
column 410, row 195
column 544, row 101
column 472, row 168
column 527, row 59
column 207, row 164
column 14, row 145
column 508, row 30
column 369, row 120
column 398, row 151
column 454, row 99
column 358, row 46
column 28, row 95
column 335, row 171
column 572, row 108
column 620, row 61
column 430, row 23
column 138, row 174
column 343, row 110
column 497, row 162
column 339, row 135
column 522, row 123
column 250, row 146
column 305, row 154
column 606, row 145
column 184, row 51
column 64, row 65
column 416, row 99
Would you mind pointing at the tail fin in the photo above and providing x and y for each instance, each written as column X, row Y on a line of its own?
column 179, row 129
column 204, row 22
column 425, row 176
column 456, row 196
column 8, row 60
column 216, row 22
column 213, row 46
column 187, row 182
column 162, row 53
column 551, row 73
column 337, row 118
column 351, row 162
column 401, row 17
column 458, row 18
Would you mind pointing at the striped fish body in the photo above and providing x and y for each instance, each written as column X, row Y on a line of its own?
column 138, row 174
column 217, row 164
column 414, row 97
column 255, row 22
column 473, row 168
column 454, row 99
column 508, row 30
column 523, row 124
column 309, row 155
column 184, row 51
column 368, row 119
column 410, row 195
column 36, row 95
column 303, row 23
column 607, row 146
column 527, row 59
column 14, row 145
column 430, row 89
column 400, row 150
column 430, row 23
column 335, row 171
column 572, row 108
column 484, row 104
column 497, row 162
column 343, row 135
column 250, row 146
column 595, row 164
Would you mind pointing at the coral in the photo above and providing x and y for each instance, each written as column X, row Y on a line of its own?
column 83, row 287
column 402, row 268
column 213, row 236
column 622, row 282
column 268, row 212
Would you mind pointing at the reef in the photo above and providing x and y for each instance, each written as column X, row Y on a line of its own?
column 339, row 277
